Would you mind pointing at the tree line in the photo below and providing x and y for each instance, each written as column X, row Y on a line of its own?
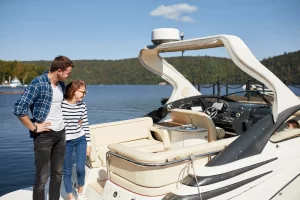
column 197, row 69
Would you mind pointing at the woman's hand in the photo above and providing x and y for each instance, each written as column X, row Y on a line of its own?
column 88, row 150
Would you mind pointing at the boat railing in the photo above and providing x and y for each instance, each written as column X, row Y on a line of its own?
column 167, row 163
column 160, row 164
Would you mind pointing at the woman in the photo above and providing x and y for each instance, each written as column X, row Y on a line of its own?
column 77, row 135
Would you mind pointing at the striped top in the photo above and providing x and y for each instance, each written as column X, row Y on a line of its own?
column 72, row 114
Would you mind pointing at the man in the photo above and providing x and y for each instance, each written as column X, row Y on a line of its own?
column 43, row 96
column 291, row 124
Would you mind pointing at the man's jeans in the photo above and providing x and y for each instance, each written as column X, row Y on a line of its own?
column 49, row 150
column 79, row 144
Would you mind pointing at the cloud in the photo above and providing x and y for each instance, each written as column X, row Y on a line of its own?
column 187, row 19
column 175, row 12
column 297, row 31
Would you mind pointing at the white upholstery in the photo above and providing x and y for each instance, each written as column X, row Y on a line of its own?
column 198, row 119
column 173, row 154
column 156, row 178
column 135, row 133
column 126, row 130
column 220, row 133
column 145, row 145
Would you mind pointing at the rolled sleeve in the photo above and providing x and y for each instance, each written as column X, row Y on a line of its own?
column 22, row 105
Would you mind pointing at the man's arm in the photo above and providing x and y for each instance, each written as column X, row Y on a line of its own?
column 22, row 105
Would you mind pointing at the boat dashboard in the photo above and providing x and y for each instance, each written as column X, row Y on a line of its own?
column 238, row 117
column 234, row 113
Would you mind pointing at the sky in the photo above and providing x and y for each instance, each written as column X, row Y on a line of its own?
column 118, row 29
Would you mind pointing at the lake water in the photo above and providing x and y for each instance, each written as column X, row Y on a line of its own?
column 105, row 103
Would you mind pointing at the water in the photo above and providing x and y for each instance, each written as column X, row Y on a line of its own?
column 105, row 103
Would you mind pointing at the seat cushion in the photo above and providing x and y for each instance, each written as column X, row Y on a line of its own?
column 135, row 172
column 220, row 132
column 113, row 132
column 145, row 145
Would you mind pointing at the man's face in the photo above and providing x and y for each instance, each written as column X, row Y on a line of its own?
column 63, row 75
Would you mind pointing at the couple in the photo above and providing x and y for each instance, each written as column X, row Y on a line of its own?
column 59, row 124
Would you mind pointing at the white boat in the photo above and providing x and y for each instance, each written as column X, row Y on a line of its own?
column 15, row 82
column 187, row 156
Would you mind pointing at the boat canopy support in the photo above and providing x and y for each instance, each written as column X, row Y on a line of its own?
column 239, row 53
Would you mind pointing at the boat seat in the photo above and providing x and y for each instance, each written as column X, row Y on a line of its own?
column 134, row 133
column 285, row 135
column 144, row 145
column 220, row 132
column 132, row 174
column 198, row 119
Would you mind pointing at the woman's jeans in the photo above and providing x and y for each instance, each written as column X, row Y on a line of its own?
column 49, row 151
column 79, row 144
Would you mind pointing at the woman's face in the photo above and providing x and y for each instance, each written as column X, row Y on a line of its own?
column 80, row 93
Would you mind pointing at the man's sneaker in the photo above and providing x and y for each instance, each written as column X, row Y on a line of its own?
column 81, row 197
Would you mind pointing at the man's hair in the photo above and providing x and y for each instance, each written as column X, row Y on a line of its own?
column 72, row 87
column 61, row 62
column 294, row 122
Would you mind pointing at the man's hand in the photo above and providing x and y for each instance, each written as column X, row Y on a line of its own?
column 41, row 127
column 88, row 150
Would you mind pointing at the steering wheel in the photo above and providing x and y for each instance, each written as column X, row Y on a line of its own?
column 211, row 112
column 185, row 105
column 225, row 107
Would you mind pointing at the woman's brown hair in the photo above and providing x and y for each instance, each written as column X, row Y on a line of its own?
column 72, row 87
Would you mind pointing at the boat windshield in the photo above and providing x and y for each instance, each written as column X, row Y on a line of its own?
column 251, row 96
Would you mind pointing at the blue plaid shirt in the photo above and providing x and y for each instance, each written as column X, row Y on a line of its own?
column 37, row 97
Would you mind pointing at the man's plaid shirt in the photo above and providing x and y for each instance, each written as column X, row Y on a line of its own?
column 37, row 97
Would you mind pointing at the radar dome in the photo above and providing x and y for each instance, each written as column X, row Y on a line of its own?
column 163, row 35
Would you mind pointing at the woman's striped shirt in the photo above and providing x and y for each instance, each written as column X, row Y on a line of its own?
column 72, row 114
